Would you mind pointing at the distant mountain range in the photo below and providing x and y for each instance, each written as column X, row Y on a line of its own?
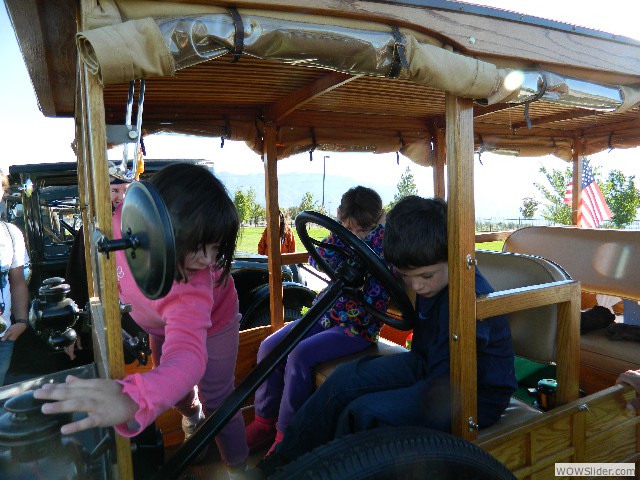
column 292, row 187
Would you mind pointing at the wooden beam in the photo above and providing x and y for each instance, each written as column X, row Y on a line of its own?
column 507, row 131
column 324, row 84
column 273, row 226
column 617, row 127
column 295, row 258
column 558, row 117
column 461, row 236
column 479, row 112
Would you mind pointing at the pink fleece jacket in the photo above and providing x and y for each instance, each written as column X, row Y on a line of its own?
column 190, row 313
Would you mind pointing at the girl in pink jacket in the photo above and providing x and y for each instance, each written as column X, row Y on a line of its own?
column 193, row 330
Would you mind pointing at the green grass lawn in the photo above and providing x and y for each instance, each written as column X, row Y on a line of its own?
column 250, row 236
column 495, row 246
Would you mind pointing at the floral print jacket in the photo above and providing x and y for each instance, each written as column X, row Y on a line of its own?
column 346, row 312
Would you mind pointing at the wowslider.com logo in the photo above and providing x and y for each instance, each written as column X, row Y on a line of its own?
column 595, row 469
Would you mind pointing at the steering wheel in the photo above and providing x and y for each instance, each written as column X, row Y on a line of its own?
column 360, row 255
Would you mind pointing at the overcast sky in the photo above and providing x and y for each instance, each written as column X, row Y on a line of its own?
column 501, row 182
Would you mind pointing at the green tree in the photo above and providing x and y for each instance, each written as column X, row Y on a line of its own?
column 529, row 206
column 406, row 186
column 242, row 207
column 256, row 211
column 619, row 192
column 622, row 197
column 555, row 210
column 308, row 203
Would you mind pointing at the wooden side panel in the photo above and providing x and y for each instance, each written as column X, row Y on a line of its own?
column 556, row 437
column 597, row 428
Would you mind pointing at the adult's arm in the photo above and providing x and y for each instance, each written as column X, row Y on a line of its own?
column 19, row 303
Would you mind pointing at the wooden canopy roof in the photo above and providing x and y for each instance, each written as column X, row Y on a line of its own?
column 206, row 98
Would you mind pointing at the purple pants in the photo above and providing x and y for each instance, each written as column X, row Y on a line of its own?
column 291, row 383
column 214, row 387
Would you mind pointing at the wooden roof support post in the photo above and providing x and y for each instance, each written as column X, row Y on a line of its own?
column 461, row 235
column 105, row 311
column 439, row 158
column 273, row 226
column 578, row 149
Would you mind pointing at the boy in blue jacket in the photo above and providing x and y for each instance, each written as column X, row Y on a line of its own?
column 411, row 388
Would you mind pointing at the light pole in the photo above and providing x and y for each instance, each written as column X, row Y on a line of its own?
column 324, row 171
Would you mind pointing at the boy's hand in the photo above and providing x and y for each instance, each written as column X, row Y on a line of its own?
column 102, row 400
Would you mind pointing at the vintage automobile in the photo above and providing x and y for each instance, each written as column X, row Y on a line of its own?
column 434, row 80
column 44, row 204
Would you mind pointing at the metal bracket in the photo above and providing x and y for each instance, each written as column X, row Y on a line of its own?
column 472, row 425
column 471, row 262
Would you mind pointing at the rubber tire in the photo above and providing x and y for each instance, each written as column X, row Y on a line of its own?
column 407, row 453
column 262, row 317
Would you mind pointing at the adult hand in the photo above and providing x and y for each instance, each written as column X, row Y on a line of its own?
column 631, row 377
column 14, row 331
column 101, row 399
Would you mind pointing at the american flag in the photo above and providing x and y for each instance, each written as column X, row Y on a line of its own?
column 593, row 208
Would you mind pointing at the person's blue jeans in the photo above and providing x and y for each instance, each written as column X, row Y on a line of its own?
column 367, row 393
column 6, row 350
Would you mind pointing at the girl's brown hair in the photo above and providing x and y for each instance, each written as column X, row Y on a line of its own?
column 362, row 204
column 201, row 212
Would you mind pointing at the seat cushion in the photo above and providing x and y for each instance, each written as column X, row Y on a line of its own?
column 382, row 347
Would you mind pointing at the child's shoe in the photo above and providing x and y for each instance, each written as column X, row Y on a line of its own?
column 260, row 433
column 189, row 427
column 191, row 424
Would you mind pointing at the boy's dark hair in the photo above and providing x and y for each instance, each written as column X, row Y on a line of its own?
column 362, row 204
column 201, row 212
column 415, row 233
